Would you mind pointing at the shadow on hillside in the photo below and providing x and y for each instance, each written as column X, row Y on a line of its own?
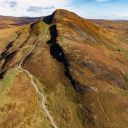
column 58, row 53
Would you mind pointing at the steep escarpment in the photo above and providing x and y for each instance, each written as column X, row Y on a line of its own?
column 57, row 52
column 96, row 39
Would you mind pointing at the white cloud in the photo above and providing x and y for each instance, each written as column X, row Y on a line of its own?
column 30, row 7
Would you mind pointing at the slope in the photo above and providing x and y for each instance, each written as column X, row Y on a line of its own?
column 80, row 68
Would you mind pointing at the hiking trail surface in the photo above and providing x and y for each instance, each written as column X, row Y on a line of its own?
column 43, row 99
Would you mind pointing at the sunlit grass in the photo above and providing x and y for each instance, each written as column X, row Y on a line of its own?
column 7, row 80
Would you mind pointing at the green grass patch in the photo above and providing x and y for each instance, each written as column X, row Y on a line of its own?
column 126, row 78
column 7, row 80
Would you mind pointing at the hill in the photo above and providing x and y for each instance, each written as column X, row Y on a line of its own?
column 63, row 71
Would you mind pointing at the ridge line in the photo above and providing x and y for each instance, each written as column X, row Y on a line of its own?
column 35, row 86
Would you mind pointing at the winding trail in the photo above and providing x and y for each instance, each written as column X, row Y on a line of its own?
column 102, row 107
column 107, row 117
column 43, row 99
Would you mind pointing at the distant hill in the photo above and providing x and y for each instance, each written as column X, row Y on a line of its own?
column 119, row 25
column 7, row 21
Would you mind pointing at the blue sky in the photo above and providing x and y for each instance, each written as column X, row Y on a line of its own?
column 94, row 9
column 102, row 9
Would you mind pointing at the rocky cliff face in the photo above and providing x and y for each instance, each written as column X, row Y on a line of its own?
column 64, row 72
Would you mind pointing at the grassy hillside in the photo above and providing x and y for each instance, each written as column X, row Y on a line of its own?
column 78, row 66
